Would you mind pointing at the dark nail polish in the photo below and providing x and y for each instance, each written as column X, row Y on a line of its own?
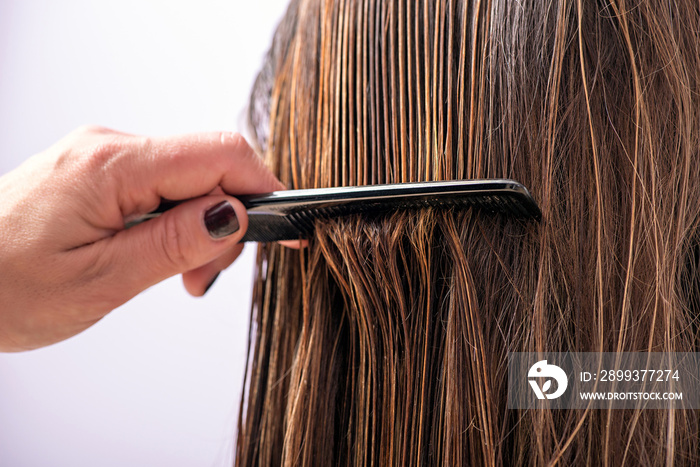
column 211, row 283
column 221, row 220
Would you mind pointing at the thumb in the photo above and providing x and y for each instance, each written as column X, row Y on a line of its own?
column 181, row 239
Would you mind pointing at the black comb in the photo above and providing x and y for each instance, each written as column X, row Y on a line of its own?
column 290, row 214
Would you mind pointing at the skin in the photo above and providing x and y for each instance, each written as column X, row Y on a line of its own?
column 66, row 259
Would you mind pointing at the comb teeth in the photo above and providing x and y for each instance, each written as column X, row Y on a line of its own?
column 304, row 220
column 271, row 228
column 300, row 223
column 292, row 214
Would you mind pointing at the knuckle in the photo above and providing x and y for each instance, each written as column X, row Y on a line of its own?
column 89, row 130
column 105, row 154
column 102, row 153
column 89, row 151
column 238, row 145
column 231, row 138
column 99, row 160
column 175, row 244
column 238, row 140
column 134, row 150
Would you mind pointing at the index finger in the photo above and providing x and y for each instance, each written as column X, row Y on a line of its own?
column 192, row 165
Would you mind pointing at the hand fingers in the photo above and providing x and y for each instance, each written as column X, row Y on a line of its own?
column 183, row 239
column 294, row 244
column 189, row 166
column 198, row 281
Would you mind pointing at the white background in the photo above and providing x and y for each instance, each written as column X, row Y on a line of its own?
column 158, row 381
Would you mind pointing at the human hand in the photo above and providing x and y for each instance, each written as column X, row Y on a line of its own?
column 66, row 259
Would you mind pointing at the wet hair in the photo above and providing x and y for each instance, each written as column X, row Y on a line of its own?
column 386, row 340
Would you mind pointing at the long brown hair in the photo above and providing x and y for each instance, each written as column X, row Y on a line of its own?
column 385, row 341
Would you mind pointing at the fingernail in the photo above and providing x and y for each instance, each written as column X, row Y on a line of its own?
column 221, row 220
column 211, row 283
